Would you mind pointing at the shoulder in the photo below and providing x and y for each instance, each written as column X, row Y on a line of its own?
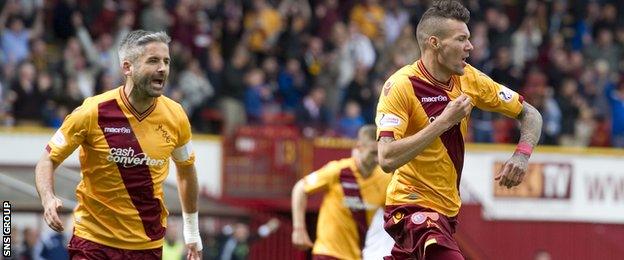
column 91, row 104
column 171, row 105
column 400, row 81
column 473, row 74
column 337, row 165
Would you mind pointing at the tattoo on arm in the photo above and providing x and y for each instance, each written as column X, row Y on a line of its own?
column 530, row 124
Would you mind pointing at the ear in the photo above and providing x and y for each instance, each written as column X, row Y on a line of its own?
column 126, row 68
column 434, row 42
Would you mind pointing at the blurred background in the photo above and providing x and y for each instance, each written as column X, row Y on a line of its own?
column 275, row 89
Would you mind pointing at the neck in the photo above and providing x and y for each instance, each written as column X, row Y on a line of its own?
column 139, row 101
column 364, row 170
column 434, row 68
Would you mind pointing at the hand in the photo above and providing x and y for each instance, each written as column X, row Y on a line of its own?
column 512, row 172
column 300, row 239
column 193, row 253
column 50, row 214
column 456, row 110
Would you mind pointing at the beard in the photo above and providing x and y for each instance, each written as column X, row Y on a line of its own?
column 143, row 85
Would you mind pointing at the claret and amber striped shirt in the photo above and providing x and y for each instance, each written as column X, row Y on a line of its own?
column 124, row 158
column 410, row 99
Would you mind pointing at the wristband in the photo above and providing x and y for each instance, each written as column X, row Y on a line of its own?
column 524, row 148
column 191, row 229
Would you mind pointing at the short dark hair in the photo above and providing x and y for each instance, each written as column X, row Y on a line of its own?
column 439, row 10
column 367, row 133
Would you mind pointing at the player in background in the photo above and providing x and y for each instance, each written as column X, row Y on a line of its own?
column 422, row 120
column 126, row 137
column 354, row 189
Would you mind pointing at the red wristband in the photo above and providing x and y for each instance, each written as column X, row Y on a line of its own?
column 524, row 148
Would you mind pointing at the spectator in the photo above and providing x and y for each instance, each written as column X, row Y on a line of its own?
column 27, row 98
column 351, row 121
column 291, row 85
column 263, row 25
column 195, row 89
column 569, row 102
column 361, row 91
column 231, row 102
column 236, row 239
column 604, row 49
column 155, row 17
column 395, row 19
column 312, row 116
column 326, row 15
column 368, row 17
column 52, row 245
column 257, row 96
column 30, row 238
column 102, row 55
column 362, row 48
column 16, row 35
column 341, row 68
column 615, row 95
column 173, row 248
column 525, row 42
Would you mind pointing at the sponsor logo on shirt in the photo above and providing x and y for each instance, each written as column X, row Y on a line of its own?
column 353, row 202
column 505, row 94
column 117, row 130
column 58, row 139
column 128, row 158
column 420, row 217
column 387, row 87
column 389, row 120
column 438, row 98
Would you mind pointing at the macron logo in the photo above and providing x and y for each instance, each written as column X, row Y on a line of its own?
column 439, row 98
column 117, row 130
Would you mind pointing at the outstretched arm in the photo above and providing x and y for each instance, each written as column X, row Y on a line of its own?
column 300, row 237
column 513, row 171
column 44, row 180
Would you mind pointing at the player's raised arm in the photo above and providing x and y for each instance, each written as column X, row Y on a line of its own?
column 513, row 171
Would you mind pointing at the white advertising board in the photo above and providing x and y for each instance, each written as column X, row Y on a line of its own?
column 584, row 187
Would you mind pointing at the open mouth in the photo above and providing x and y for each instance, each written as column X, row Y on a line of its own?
column 158, row 81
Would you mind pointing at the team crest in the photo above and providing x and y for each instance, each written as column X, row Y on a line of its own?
column 420, row 217
column 387, row 87
column 398, row 216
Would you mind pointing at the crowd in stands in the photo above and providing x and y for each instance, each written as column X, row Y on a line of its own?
column 316, row 64
column 222, row 239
